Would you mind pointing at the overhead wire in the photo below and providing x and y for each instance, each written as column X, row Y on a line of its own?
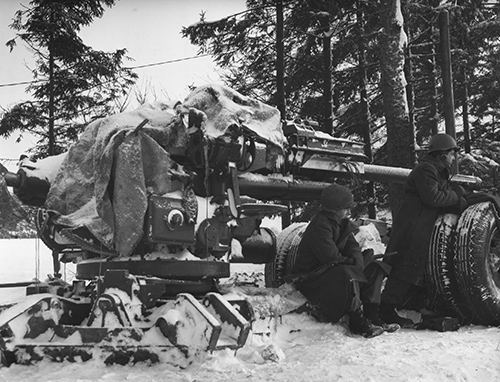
column 288, row 5
column 126, row 67
column 20, row 83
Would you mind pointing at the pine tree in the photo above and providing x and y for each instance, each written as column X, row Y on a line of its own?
column 72, row 83
column 244, row 46
column 400, row 136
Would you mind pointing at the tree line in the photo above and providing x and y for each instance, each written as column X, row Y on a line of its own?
column 377, row 61
column 383, row 59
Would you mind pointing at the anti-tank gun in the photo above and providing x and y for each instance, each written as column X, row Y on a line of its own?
column 147, row 204
column 151, row 205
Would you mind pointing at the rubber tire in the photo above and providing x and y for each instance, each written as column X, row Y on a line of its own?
column 440, row 273
column 287, row 245
column 477, row 231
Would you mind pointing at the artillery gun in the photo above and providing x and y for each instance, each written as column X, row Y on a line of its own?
column 152, row 205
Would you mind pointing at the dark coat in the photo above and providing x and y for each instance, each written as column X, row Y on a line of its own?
column 328, row 259
column 428, row 193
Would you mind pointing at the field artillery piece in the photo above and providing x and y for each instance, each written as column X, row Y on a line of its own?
column 151, row 205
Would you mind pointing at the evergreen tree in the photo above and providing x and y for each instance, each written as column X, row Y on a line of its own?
column 474, row 35
column 244, row 45
column 405, row 116
column 73, row 84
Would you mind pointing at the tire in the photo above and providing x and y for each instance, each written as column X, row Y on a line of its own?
column 477, row 262
column 440, row 273
column 287, row 245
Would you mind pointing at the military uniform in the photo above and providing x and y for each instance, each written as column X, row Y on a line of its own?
column 334, row 276
column 428, row 193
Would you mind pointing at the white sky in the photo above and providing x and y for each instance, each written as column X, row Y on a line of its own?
column 151, row 32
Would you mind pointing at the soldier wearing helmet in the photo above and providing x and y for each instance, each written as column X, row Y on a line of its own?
column 329, row 267
column 442, row 142
column 428, row 193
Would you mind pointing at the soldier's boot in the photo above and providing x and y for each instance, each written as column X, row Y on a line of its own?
column 359, row 324
column 389, row 315
column 439, row 323
column 372, row 312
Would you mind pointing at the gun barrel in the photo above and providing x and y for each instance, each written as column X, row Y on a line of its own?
column 269, row 188
column 287, row 188
column 385, row 173
column 12, row 179
column 399, row 175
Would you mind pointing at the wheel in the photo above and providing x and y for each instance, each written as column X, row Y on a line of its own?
column 287, row 244
column 440, row 275
column 477, row 261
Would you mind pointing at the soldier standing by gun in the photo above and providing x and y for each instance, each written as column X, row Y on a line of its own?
column 329, row 268
column 428, row 193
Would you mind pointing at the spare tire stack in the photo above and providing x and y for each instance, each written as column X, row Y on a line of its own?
column 464, row 264
column 287, row 246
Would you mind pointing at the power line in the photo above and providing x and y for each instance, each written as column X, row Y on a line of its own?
column 156, row 63
column 166, row 62
column 127, row 67
column 20, row 83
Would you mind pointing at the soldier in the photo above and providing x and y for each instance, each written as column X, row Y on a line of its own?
column 428, row 193
column 329, row 266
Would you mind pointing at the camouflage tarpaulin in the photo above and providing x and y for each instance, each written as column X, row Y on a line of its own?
column 103, row 181
column 225, row 107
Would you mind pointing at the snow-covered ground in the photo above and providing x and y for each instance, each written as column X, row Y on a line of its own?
column 297, row 349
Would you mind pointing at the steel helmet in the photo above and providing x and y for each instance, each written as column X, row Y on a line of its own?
column 336, row 197
column 442, row 142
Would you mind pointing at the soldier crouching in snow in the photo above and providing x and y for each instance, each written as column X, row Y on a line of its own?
column 329, row 269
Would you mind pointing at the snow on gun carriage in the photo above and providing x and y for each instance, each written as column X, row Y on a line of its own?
column 150, row 204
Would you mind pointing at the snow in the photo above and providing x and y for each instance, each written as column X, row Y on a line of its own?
column 46, row 168
column 293, row 347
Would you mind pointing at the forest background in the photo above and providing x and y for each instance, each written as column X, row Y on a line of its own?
column 367, row 70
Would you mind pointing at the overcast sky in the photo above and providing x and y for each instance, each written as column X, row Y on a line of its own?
column 148, row 29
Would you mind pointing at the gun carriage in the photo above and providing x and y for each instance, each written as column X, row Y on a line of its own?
column 152, row 206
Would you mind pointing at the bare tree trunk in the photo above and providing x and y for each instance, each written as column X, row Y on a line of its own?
column 327, row 83
column 400, row 137
column 410, row 90
column 446, row 73
column 280, row 60
column 434, row 116
column 465, row 110
column 51, row 132
column 365, row 108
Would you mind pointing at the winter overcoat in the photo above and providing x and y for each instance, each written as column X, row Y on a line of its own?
column 328, row 259
column 428, row 193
